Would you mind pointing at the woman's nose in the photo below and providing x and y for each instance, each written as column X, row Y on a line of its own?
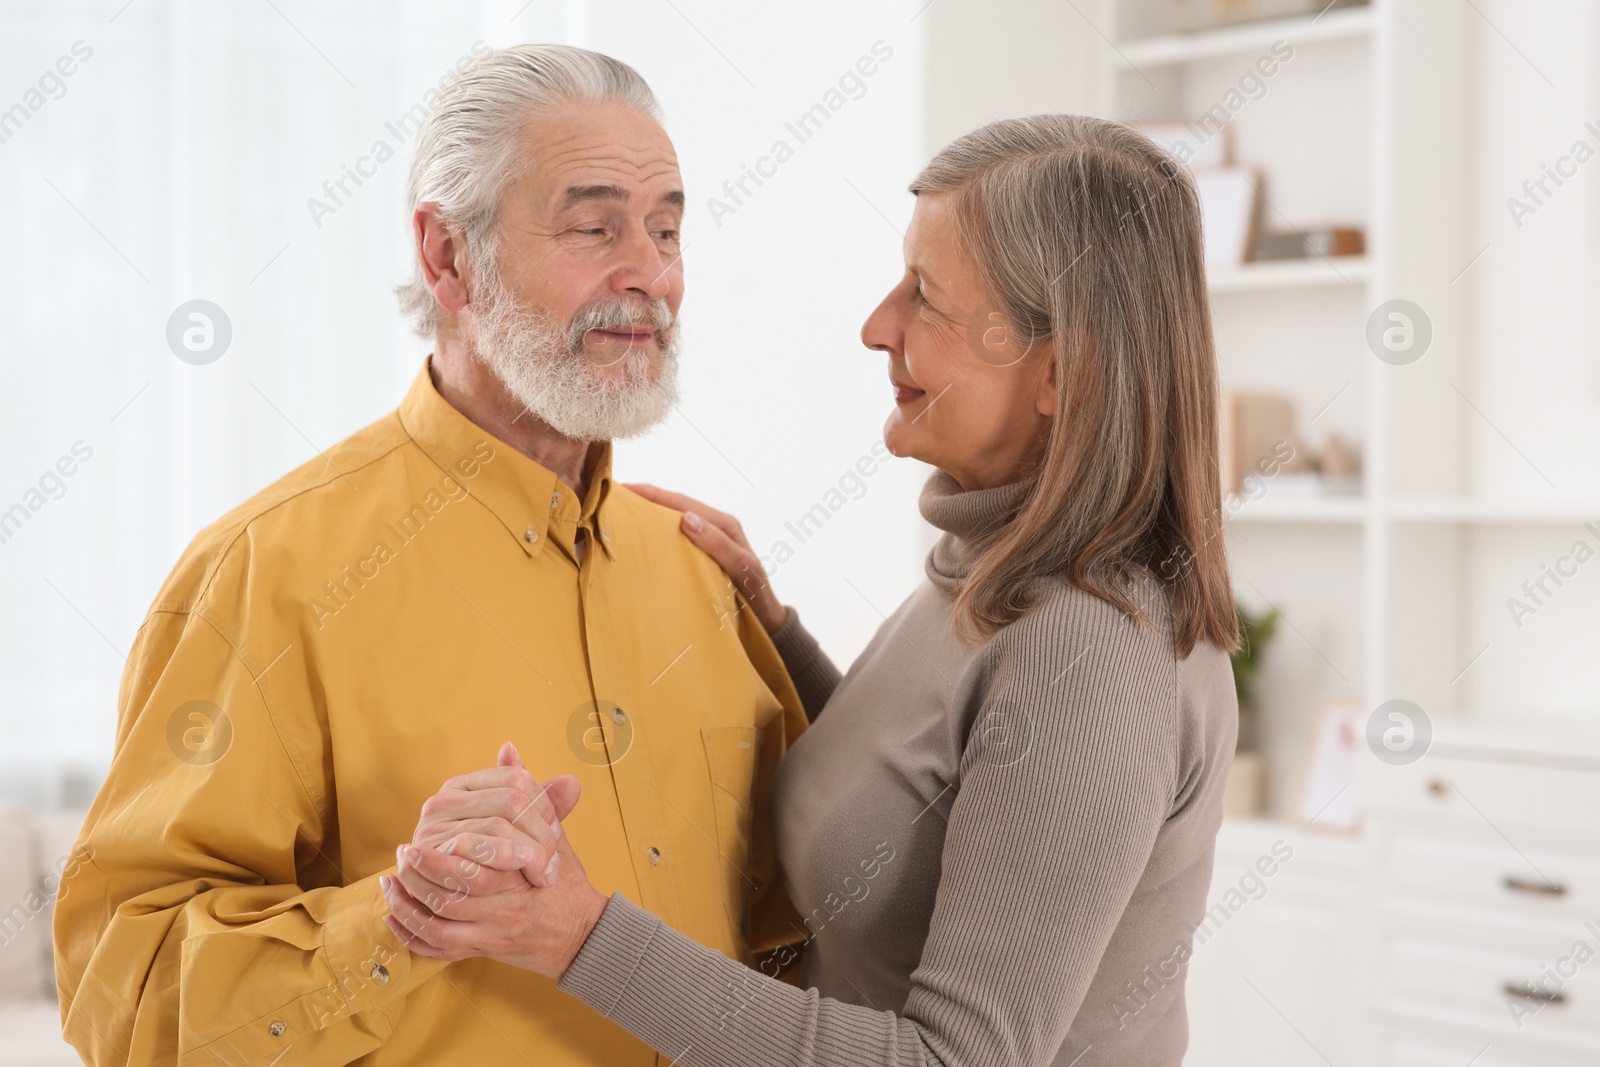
column 881, row 332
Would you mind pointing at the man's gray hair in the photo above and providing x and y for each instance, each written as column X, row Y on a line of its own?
column 469, row 149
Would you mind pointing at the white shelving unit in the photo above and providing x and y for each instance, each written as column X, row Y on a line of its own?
column 1364, row 124
column 1178, row 48
column 1397, row 593
column 1291, row 274
column 1321, row 131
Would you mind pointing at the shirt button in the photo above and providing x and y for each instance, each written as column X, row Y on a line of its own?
column 653, row 853
column 531, row 536
column 380, row 973
column 555, row 501
column 619, row 716
column 277, row 1029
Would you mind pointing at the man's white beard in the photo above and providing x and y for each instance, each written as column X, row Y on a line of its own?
column 550, row 373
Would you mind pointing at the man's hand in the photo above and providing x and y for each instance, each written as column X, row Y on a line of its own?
column 440, row 906
column 501, row 826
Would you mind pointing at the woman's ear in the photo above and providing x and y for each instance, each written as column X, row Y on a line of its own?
column 1047, row 401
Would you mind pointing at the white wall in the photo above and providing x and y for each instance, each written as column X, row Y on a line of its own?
column 990, row 61
column 178, row 163
column 1535, row 354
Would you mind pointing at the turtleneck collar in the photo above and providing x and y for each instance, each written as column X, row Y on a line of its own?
column 963, row 515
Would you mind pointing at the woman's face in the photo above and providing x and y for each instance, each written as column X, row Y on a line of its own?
column 971, row 397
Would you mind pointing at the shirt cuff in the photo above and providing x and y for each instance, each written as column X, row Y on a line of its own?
column 371, row 973
column 370, row 965
column 600, row 973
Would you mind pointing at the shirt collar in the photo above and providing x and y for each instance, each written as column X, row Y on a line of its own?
column 522, row 493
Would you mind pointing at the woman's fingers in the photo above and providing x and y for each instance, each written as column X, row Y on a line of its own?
column 501, row 817
column 563, row 792
column 531, row 812
column 453, row 865
column 737, row 559
column 411, row 941
column 421, row 930
column 514, row 850
column 678, row 502
column 437, row 897
column 438, row 883
column 720, row 536
column 534, row 796
column 741, row 565
column 502, row 857
column 666, row 497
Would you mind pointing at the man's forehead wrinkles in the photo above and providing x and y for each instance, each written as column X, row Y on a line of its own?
column 609, row 166
column 607, row 170
column 585, row 147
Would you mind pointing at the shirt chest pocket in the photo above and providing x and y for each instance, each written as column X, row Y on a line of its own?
column 731, row 754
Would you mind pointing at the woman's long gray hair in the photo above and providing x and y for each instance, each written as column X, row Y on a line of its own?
column 1088, row 234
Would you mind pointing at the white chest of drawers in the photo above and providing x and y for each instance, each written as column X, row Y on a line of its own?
column 1460, row 927
column 1483, row 908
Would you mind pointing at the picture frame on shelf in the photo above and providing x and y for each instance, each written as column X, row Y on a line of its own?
column 1230, row 206
column 1326, row 794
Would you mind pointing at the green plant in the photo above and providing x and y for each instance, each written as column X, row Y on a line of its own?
column 1257, row 630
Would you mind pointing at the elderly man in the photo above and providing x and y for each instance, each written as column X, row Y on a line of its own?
column 460, row 574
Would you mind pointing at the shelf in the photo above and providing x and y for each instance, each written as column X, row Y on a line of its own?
column 1339, row 272
column 1441, row 510
column 1177, row 48
column 1489, row 512
column 1302, row 510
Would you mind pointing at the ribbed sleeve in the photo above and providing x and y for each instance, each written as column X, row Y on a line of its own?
column 698, row 1007
column 1070, row 768
column 814, row 674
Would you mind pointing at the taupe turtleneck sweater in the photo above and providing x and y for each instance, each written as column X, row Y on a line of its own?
column 1001, row 849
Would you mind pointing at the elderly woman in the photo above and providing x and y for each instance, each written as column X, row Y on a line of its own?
column 999, row 828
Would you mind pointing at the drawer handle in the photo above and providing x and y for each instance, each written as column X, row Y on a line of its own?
column 1538, row 889
column 1526, row 991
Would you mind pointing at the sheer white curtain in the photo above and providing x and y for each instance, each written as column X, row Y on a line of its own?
column 204, row 151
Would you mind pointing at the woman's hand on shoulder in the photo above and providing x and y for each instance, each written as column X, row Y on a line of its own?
column 720, row 536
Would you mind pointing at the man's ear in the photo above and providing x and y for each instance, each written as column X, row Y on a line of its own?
column 442, row 254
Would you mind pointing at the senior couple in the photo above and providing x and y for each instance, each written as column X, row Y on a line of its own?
column 450, row 748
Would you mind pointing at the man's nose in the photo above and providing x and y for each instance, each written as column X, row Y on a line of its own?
column 643, row 269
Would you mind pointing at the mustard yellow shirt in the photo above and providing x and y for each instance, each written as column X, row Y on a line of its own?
column 319, row 662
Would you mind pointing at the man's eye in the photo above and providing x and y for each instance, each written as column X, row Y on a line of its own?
column 667, row 235
column 922, row 298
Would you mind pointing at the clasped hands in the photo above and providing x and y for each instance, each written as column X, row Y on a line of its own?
column 490, row 872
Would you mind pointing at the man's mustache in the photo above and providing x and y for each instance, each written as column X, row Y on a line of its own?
column 614, row 314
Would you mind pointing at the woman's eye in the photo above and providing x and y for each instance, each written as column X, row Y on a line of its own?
column 921, row 298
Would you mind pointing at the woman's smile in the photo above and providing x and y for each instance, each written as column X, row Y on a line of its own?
column 903, row 393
